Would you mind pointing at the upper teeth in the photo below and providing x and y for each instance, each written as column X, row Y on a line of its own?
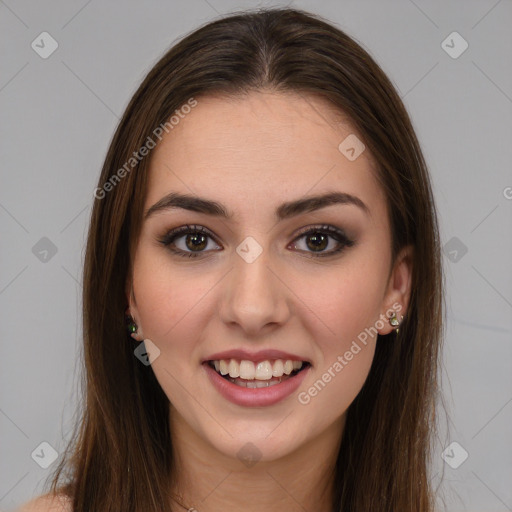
column 263, row 370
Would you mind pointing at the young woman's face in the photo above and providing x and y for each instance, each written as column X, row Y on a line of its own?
column 262, row 275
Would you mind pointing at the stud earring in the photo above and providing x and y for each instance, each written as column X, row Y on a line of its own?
column 393, row 320
column 131, row 325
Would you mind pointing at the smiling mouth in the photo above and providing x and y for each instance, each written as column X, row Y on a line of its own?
column 261, row 374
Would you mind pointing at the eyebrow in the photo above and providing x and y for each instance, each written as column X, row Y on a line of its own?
column 284, row 211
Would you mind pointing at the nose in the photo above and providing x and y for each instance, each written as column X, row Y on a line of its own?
column 254, row 297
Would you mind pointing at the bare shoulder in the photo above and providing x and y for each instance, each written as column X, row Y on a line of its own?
column 47, row 503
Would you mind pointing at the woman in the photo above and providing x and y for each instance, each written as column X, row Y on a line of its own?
column 264, row 222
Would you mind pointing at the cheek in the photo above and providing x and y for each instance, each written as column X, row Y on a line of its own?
column 335, row 386
column 342, row 318
column 166, row 297
column 170, row 303
column 343, row 303
column 344, row 362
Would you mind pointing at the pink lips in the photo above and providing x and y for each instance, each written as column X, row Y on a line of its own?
column 254, row 397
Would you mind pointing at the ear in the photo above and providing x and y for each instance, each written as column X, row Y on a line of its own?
column 131, row 309
column 398, row 293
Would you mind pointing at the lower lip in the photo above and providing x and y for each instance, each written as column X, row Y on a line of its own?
column 255, row 397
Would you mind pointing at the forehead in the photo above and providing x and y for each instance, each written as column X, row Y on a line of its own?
column 260, row 149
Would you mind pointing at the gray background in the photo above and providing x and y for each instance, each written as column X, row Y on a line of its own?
column 58, row 116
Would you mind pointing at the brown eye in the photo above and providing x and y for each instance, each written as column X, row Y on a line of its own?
column 188, row 241
column 318, row 239
column 196, row 242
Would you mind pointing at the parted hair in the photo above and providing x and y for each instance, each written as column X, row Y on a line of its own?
column 119, row 456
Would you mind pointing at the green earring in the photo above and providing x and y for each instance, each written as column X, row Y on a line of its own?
column 131, row 325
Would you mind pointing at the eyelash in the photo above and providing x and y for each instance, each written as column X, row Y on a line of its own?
column 335, row 233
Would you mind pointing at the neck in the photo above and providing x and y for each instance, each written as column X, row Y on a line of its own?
column 206, row 480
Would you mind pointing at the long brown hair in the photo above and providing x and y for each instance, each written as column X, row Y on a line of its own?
column 120, row 454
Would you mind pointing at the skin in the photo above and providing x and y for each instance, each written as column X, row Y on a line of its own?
column 252, row 153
